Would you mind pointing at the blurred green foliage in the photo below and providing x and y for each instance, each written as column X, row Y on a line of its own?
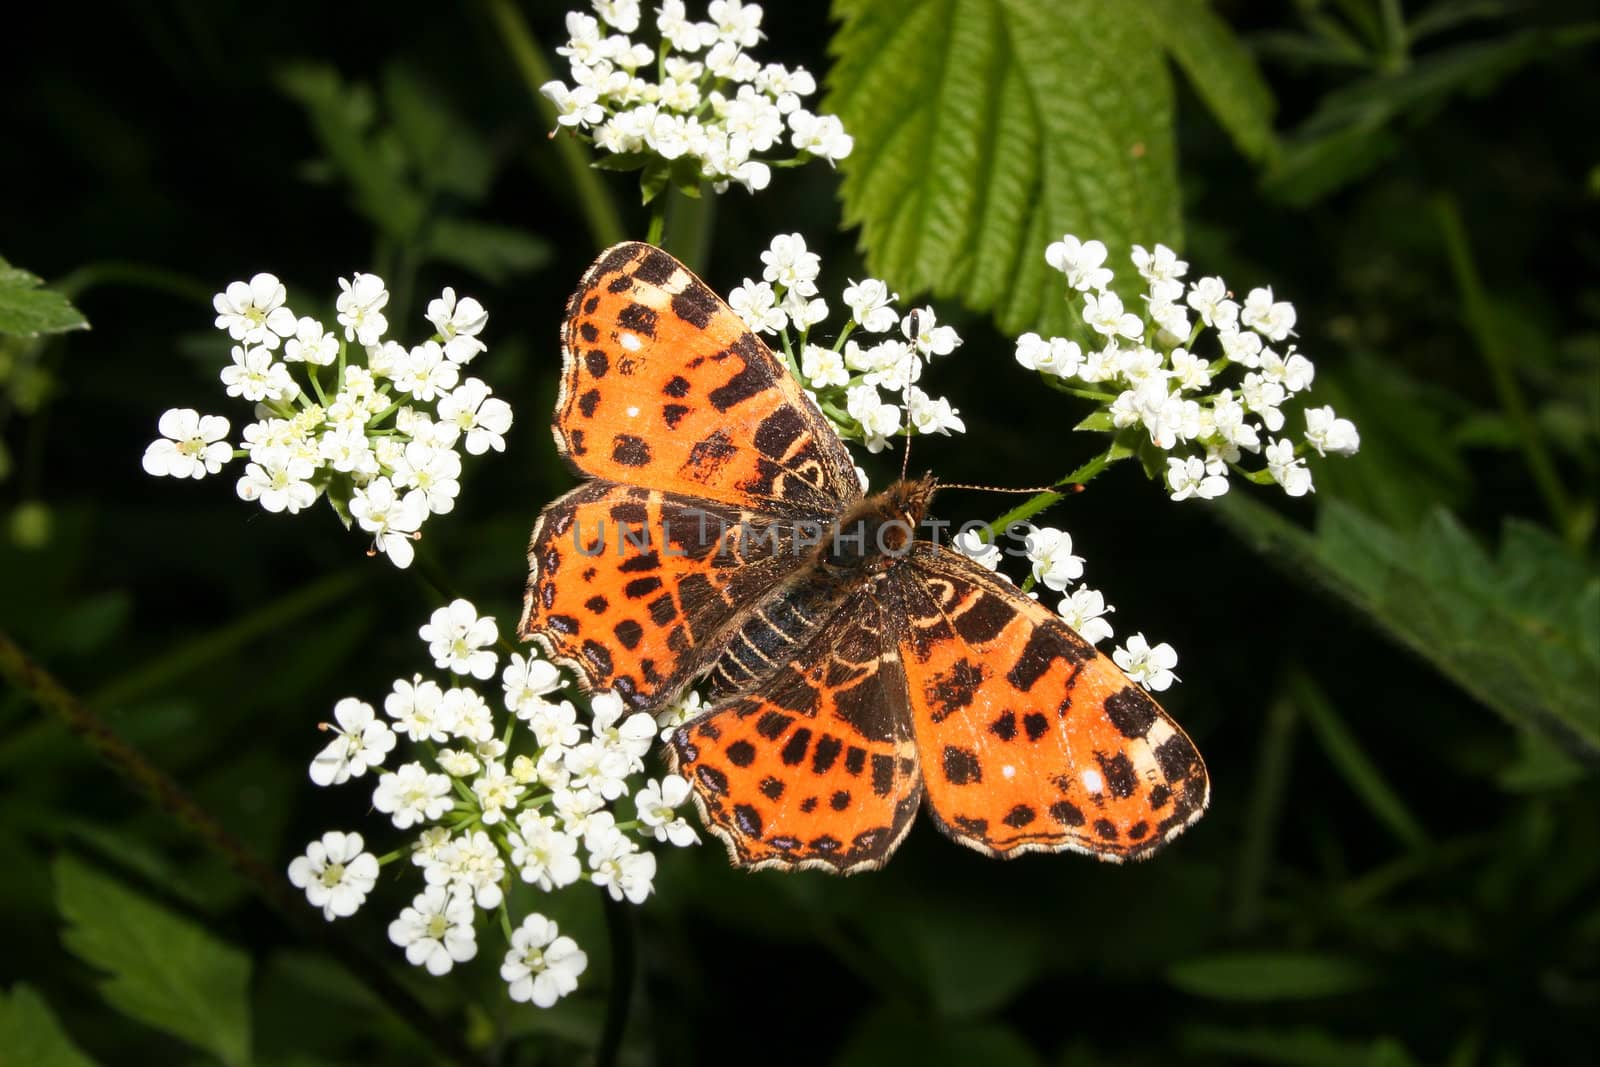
column 1396, row 683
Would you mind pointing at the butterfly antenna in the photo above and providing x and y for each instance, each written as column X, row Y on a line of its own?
column 1062, row 490
column 905, row 393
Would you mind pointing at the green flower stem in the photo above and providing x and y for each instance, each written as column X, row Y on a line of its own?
column 268, row 883
column 1480, row 321
column 1087, row 394
column 689, row 223
column 599, row 210
column 658, row 221
column 1035, row 504
column 316, row 386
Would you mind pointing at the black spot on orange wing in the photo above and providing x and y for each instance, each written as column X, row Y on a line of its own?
column 953, row 690
column 750, row 380
column 1131, row 711
column 1177, row 758
column 1019, row 816
column 961, row 766
column 1045, row 646
column 827, row 750
column 1118, row 772
column 1066, row 813
column 794, row 750
column 696, row 305
column 984, row 618
column 629, row 632
column 655, row 267
column 630, row 451
column 638, row 318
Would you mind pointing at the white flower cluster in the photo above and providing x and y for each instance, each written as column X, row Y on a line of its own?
column 1147, row 370
column 493, row 798
column 706, row 101
column 844, row 379
column 1053, row 565
column 380, row 438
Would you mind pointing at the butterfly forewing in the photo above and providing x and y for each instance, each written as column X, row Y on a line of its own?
column 665, row 387
column 633, row 587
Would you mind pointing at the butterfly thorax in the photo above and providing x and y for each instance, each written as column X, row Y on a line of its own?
column 879, row 529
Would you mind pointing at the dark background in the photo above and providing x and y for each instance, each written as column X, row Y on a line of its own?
column 153, row 158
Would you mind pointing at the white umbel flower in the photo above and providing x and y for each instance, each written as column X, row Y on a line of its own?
column 336, row 874
column 362, row 740
column 253, row 311
column 460, row 640
column 1150, row 667
column 436, row 930
column 191, row 445
column 542, row 965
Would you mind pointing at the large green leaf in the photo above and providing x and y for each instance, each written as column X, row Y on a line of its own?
column 1520, row 632
column 985, row 129
column 27, row 310
column 30, row 1036
column 159, row 968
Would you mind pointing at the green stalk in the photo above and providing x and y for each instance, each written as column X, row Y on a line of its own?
column 269, row 884
column 599, row 210
column 1035, row 504
column 658, row 221
column 689, row 221
column 1480, row 321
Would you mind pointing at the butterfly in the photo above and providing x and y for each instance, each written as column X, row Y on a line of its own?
column 853, row 672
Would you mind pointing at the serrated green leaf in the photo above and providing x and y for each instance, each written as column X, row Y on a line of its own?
column 27, row 310
column 495, row 253
column 160, row 969
column 1520, row 631
column 30, row 1036
column 985, row 129
column 1269, row 976
column 1222, row 70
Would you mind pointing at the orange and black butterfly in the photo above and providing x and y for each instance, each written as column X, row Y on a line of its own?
column 853, row 672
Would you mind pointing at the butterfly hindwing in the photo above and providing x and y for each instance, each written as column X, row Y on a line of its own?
column 816, row 767
column 1030, row 739
column 665, row 387
column 632, row 587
